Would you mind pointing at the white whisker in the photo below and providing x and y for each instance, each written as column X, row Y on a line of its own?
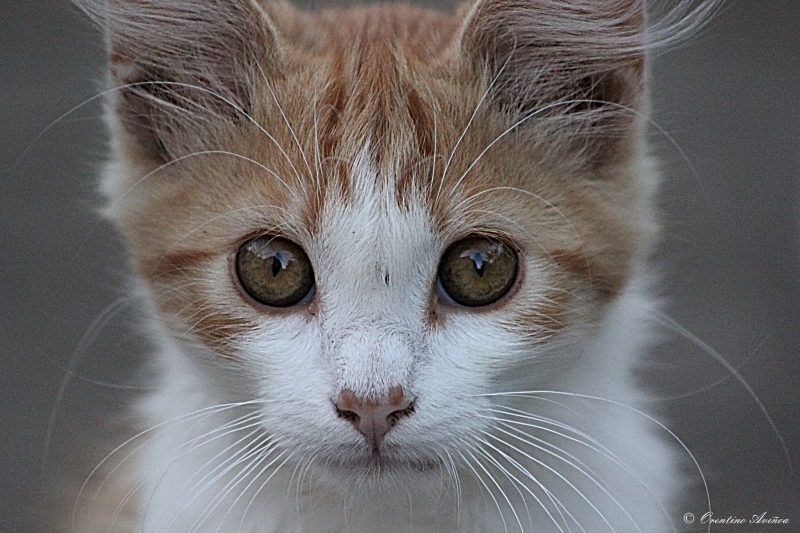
column 88, row 338
column 453, row 470
column 144, row 478
column 261, row 455
column 467, row 127
column 523, row 394
column 285, row 119
column 485, row 486
column 182, row 158
column 266, row 481
column 553, row 499
column 515, row 482
column 676, row 327
column 234, row 106
column 261, row 459
column 154, row 429
column 500, row 489
column 230, row 457
column 558, row 474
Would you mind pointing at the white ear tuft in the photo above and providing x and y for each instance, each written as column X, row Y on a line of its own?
column 578, row 61
column 181, row 65
column 575, row 68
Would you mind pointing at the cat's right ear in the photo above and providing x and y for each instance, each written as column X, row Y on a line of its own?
column 574, row 68
column 180, row 68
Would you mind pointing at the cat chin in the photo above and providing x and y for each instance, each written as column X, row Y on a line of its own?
column 379, row 464
column 385, row 469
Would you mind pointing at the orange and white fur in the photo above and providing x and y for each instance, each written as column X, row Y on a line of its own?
column 391, row 395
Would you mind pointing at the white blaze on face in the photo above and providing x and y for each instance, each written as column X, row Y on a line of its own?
column 376, row 268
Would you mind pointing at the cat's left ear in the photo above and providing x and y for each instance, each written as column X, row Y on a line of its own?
column 573, row 69
column 183, row 67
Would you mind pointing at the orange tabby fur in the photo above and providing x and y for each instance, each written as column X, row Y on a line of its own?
column 451, row 116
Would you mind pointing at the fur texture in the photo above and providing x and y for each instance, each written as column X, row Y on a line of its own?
column 375, row 138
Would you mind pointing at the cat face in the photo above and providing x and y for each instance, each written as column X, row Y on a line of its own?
column 371, row 220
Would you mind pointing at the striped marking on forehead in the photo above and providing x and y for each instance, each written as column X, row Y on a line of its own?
column 368, row 239
column 372, row 93
column 369, row 208
column 375, row 192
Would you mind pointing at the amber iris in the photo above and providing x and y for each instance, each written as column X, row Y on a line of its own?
column 274, row 271
column 478, row 271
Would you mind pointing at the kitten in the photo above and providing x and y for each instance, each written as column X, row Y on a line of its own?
column 394, row 262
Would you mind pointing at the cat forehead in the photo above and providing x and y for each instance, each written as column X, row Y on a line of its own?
column 383, row 159
column 370, row 245
column 370, row 205
column 379, row 79
column 384, row 208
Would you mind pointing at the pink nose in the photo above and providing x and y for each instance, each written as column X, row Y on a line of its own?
column 374, row 418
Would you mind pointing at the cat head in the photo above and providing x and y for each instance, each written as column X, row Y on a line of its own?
column 373, row 219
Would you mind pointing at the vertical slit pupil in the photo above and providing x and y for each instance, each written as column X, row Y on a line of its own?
column 477, row 271
column 274, row 271
column 277, row 265
column 480, row 263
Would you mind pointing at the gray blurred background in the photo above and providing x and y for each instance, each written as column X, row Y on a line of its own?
column 731, row 259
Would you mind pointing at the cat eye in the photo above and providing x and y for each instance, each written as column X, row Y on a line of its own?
column 478, row 271
column 274, row 271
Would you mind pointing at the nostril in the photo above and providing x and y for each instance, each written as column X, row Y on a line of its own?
column 395, row 416
column 350, row 416
column 374, row 418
